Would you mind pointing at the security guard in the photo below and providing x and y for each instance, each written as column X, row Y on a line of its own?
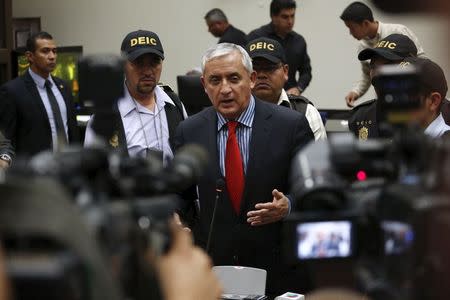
column 269, row 63
column 432, row 91
column 364, row 119
column 147, row 115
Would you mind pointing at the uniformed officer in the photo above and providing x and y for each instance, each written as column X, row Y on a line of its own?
column 147, row 115
column 432, row 91
column 269, row 63
column 364, row 119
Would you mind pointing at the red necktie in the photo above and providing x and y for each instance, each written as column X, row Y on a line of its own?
column 234, row 169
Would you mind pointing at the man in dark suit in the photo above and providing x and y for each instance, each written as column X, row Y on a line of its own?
column 251, row 144
column 36, row 109
column 219, row 27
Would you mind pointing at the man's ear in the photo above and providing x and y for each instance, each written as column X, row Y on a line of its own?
column 366, row 23
column 29, row 55
column 436, row 100
column 286, row 72
column 252, row 79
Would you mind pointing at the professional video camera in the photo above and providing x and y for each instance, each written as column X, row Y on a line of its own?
column 375, row 202
column 81, row 223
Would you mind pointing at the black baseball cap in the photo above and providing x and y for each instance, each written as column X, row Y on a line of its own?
column 431, row 75
column 266, row 48
column 141, row 42
column 393, row 47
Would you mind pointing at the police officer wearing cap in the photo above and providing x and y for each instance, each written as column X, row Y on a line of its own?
column 359, row 19
column 269, row 63
column 282, row 15
column 147, row 114
column 432, row 91
column 393, row 49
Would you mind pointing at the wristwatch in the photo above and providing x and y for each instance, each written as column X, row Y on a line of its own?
column 6, row 157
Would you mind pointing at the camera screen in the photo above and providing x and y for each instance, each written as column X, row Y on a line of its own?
column 398, row 237
column 328, row 239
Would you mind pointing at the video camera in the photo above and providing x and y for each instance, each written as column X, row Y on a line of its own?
column 82, row 223
column 373, row 202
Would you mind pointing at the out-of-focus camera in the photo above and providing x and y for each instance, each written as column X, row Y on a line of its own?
column 82, row 223
column 372, row 202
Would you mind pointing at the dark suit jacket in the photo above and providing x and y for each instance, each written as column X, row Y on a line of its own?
column 23, row 118
column 234, row 35
column 277, row 135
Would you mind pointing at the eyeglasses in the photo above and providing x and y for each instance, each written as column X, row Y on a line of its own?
column 266, row 67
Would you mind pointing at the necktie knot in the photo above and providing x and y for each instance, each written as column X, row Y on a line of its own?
column 48, row 83
column 232, row 126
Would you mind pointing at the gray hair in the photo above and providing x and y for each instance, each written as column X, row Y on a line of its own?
column 216, row 15
column 224, row 49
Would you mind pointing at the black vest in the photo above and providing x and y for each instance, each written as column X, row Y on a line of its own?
column 174, row 115
column 299, row 103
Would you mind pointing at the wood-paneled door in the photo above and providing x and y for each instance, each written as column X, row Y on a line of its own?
column 5, row 40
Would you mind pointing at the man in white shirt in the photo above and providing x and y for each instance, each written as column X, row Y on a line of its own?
column 269, row 63
column 359, row 19
column 147, row 115
column 433, row 89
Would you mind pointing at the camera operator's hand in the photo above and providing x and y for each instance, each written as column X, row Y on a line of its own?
column 185, row 271
column 177, row 219
column 269, row 212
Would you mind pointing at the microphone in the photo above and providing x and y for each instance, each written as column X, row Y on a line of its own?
column 220, row 185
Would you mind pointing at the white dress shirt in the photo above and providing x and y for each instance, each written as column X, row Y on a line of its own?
column 437, row 128
column 144, row 129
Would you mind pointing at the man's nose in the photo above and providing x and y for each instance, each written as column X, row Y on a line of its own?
column 147, row 69
column 225, row 87
column 261, row 75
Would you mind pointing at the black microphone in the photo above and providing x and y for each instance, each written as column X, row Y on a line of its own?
column 220, row 185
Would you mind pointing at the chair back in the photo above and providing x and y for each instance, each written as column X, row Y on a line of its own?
column 241, row 280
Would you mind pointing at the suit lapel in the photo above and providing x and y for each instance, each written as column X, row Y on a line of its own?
column 210, row 132
column 35, row 97
column 259, row 142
